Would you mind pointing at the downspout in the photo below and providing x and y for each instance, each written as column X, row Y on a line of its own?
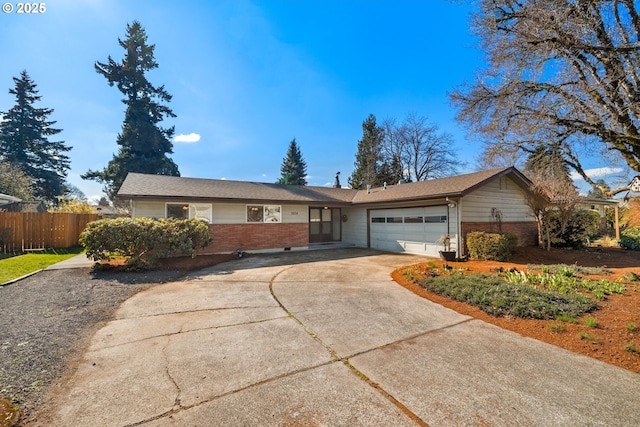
column 459, row 238
column 455, row 204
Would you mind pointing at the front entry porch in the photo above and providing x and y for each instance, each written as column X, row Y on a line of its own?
column 325, row 225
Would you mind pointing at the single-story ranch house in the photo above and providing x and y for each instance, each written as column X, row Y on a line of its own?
column 407, row 217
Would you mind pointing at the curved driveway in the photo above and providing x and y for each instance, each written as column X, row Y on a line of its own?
column 325, row 338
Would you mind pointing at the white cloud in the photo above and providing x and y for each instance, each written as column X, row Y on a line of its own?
column 596, row 172
column 189, row 139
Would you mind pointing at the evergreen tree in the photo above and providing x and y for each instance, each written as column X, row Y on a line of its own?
column 24, row 141
column 548, row 160
column 369, row 156
column 144, row 145
column 597, row 191
column 391, row 171
column 294, row 169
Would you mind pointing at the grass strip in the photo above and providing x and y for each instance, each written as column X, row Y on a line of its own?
column 18, row 266
column 498, row 298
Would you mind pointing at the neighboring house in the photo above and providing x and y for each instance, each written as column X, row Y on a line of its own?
column 5, row 199
column 111, row 211
column 599, row 205
column 409, row 217
column 14, row 204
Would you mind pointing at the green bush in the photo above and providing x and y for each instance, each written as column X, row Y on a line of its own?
column 581, row 226
column 491, row 246
column 141, row 241
column 630, row 239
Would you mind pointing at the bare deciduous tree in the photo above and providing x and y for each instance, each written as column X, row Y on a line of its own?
column 564, row 72
column 547, row 194
column 421, row 148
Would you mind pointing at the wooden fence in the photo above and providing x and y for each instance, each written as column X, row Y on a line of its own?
column 21, row 231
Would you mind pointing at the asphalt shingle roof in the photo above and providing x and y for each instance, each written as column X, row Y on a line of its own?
column 142, row 185
column 161, row 186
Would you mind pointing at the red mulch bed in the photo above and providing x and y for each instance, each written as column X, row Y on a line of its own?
column 613, row 317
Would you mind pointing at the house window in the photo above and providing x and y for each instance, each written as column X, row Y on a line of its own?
column 264, row 213
column 180, row 211
column 200, row 211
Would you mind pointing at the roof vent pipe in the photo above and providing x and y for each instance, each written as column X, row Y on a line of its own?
column 385, row 185
column 368, row 188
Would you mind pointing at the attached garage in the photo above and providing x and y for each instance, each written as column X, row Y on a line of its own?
column 417, row 230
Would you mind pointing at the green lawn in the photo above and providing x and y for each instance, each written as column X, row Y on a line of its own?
column 17, row 266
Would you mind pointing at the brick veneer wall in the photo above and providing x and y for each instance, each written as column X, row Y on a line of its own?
column 248, row 237
column 527, row 231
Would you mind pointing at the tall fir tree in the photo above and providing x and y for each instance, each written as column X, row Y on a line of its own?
column 24, row 141
column 294, row 169
column 548, row 160
column 144, row 145
column 369, row 156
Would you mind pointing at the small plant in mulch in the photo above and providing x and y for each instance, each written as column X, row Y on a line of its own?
column 632, row 327
column 590, row 322
column 565, row 281
column 567, row 319
column 631, row 348
column 570, row 270
column 632, row 277
column 557, row 327
column 586, row 336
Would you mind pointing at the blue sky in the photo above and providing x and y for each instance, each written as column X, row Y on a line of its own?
column 247, row 76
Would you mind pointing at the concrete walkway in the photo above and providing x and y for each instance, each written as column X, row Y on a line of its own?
column 78, row 261
column 326, row 338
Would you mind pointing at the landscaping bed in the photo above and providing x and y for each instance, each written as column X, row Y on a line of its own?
column 610, row 333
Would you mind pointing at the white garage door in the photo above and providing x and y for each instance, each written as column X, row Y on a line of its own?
column 413, row 230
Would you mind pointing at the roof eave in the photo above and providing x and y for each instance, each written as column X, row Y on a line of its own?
column 125, row 197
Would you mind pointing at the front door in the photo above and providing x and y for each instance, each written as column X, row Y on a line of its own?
column 324, row 225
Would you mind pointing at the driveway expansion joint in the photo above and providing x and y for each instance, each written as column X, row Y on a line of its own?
column 412, row 337
column 345, row 360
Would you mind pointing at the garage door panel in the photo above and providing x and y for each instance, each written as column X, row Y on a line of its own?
column 390, row 232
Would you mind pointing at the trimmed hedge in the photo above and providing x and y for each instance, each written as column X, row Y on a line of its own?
column 142, row 241
column 630, row 239
column 491, row 246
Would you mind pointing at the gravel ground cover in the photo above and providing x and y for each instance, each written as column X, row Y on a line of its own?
column 46, row 320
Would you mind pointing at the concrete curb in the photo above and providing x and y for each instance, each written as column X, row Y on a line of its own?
column 12, row 281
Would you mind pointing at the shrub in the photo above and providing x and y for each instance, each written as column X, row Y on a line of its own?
column 141, row 241
column 491, row 246
column 583, row 226
column 630, row 239
column 580, row 227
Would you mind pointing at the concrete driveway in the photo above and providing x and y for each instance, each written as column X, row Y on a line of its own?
column 326, row 338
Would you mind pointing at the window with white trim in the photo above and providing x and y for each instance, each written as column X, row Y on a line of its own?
column 201, row 211
column 264, row 213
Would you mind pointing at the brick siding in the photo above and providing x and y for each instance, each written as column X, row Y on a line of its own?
column 248, row 237
column 527, row 232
